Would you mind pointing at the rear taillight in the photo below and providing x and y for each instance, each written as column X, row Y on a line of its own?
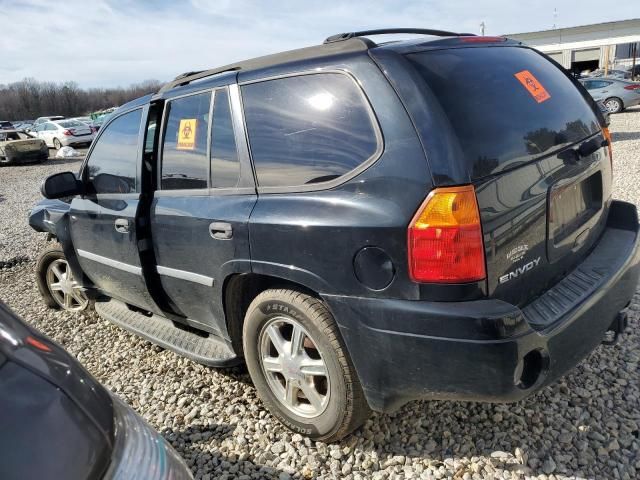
column 607, row 136
column 632, row 87
column 93, row 129
column 67, row 133
column 445, row 238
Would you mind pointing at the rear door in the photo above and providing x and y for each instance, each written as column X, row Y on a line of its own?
column 531, row 143
column 103, row 220
column 200, row 212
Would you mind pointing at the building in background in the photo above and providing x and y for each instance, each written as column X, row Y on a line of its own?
column 588, row 47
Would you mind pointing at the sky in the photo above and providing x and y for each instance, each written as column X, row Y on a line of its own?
column 108, row 43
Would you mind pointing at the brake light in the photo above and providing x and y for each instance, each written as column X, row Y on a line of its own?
column 37, row 344
column 476, row 39
column 445, row 238
column 607, row 136
column 632, row 87
column 67, row 133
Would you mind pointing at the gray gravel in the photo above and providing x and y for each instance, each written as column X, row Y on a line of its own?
column 585, row 426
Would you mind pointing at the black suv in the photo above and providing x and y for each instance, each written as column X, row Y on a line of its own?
column 364, row 224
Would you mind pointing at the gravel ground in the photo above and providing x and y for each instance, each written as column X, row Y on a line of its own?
column 585, row 426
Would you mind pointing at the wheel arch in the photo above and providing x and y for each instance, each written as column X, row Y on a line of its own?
column 240, row 289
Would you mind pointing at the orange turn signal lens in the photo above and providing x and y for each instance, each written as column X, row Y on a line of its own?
column 607, row 136
column 445, row 238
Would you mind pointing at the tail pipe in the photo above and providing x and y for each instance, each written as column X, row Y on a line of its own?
column 618, row 326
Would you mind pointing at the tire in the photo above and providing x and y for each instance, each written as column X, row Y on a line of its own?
column 50, row 261
column 614, row 105
column 56, row 144
column 339, row 406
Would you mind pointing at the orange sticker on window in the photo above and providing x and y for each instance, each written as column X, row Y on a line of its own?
column 533, row 86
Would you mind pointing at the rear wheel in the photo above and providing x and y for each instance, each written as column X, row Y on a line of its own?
column 614, row 105
column 56, row 283
column 56, row 144
column 300, row 367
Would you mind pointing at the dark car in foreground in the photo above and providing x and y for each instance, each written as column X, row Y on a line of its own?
column 58, row 422
column 358, row 231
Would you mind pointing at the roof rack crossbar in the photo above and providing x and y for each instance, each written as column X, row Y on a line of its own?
column 340, row 37
column 188, row 77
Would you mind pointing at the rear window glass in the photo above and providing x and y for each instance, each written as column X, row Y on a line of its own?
column 307, row 129
column 497, row 106
column 71, row 123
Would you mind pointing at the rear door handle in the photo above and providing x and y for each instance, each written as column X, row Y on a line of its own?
column 221, row 230
column 122, row 225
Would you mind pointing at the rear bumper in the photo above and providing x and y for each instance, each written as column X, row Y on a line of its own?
column 489, row 350
column 71, row 141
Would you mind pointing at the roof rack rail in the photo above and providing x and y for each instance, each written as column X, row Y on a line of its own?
column 188, row 77
column 341, row 37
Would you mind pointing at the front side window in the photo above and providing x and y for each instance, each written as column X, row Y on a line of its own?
column 307, row 129
column 185, row 164
column 225, row 165
column 113, row 162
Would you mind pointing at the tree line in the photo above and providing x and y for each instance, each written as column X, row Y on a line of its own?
column 29, row 99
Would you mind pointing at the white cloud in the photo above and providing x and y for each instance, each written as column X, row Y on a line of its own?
column 117, row 42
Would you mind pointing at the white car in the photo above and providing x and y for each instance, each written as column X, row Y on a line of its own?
column 63, row 133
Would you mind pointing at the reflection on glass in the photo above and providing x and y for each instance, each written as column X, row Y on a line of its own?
column 185, row 163
column 113, row 162
column 307, row 129
column 321, row 101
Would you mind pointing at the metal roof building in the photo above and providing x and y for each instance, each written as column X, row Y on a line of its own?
column 587, row 47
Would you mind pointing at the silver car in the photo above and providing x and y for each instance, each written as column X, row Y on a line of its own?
column 616, row 94
column 62, row 133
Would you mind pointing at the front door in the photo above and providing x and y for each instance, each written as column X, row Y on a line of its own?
column 200, row 213
column 103, row 219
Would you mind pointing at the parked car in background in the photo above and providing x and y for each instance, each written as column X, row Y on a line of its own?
column 616, row 94
column 63, row 133
column 20, row 147
column 6, row 125
column 58, row 422
column 363, row 224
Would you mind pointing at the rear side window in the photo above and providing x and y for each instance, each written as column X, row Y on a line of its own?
column 496, row 103
column 185, row 164
column 307, row 129
column 113, row 162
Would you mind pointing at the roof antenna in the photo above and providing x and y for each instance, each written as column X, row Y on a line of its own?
column 482, row 25
column 555, row 18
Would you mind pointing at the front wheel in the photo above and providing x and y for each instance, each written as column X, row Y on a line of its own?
column 613, row 104
column 56, row 144
column 56, row 283
column 300, row 367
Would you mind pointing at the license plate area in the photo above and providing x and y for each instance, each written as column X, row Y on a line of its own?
column 573, row 210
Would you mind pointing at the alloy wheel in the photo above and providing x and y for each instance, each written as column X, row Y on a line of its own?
column 613, row 105
column 293, row 367
column 63, row 287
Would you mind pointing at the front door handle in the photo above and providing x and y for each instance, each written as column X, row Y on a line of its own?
column 221, row 230
column 122, row 225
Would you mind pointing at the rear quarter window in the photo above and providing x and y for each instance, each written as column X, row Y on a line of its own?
column 498, row 121
column 307, row 129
